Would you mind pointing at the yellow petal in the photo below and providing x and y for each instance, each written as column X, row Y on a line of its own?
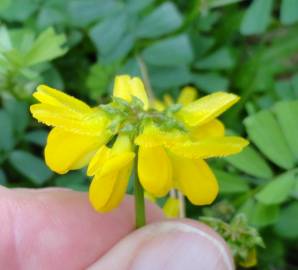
column 154, row 170
column 117, row 162
column 205, row 109
column 51, row 96
column 122, row 144
column 210, row 147
column 214, row 128
column 168, row 100
column 138, row 90
column 98, row 160
column 111, row 178
column 195, row 180
column 122, row 87
column 158, row 105
column 126, row 87
column 92, row 123
column 153, row 136
column 120, row 187
column 107, row 159
column 171, row 208
column 69, row 151
column 188, row 94
column 107, row 191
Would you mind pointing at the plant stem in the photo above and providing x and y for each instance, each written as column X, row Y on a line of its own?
column 145, row 76
column 139, row 197
column 181, row 205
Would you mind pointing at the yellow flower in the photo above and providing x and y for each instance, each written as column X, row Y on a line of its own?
column 112, row 168
column 172, row 142
column 187, row 95
column 179, row 163
column 171, row 208
column 126, row 87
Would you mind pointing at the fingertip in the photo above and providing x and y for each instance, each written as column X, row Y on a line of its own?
column 49, row 223
column 169, row 245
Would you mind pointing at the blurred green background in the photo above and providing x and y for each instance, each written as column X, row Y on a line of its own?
column 247, row 47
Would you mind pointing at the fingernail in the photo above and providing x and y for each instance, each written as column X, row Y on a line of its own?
column 175, row 245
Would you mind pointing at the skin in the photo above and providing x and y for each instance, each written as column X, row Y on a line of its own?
column 57, row 229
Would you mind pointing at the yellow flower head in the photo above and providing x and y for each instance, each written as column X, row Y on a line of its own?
column 172, row 142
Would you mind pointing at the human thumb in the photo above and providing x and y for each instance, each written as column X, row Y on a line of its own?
column 169, row 245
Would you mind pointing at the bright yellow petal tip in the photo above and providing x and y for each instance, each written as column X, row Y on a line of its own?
column 206, row 108
column 188, row 94
column 126, row 87
column 210, row 147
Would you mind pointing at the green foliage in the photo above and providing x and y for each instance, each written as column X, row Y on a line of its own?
column 21, row 56
column 247, row 47
column 30, row 166
column 241, row 238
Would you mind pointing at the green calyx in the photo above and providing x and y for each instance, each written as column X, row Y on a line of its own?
column 130, row 117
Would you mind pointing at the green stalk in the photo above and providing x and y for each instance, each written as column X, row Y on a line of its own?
column 139, row 197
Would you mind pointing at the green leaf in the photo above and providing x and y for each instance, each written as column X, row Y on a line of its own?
column 30, row 166
column 294, row 192
column 284, row 89
column 163, row 20
column 6, row 134
column 220, row 3
column 289, row 12
column 46, row 47
column 38, row 137
column 52, row 77
column 99, row 79
column 287, row 225
column 264, row 130
column 3, row 179
column 111, row 38
column 172, row 51
column 207, row 21
column 84, row 12
column 201, row 44
column 251, row 162
column 137, row 5
column 73, row 180
column 210, row 82
column 230, row 183
column 19, row 10
column 49, row 16
column 259, row 71
column 120, row 51
column 220, row 59
column 18, row 113
column 287, row 113
column 4, row 4
column 264, row 215
column 294, row 83
column 278, row 190
column 168, row 77
column 257, row 17
column 259, row 214
column 5, row 41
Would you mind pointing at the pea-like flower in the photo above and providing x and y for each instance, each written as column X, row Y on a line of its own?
column 170, row 143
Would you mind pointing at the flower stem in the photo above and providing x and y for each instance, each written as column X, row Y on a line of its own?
column 139, row 198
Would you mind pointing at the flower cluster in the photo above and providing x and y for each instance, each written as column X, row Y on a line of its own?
column 169, row 142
